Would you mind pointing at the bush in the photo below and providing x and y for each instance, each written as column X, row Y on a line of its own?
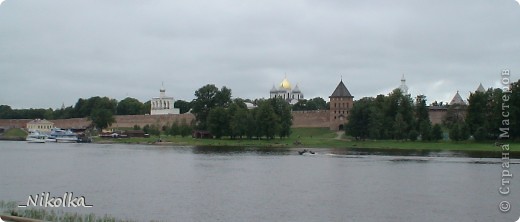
column 436, row 133
column 480, row 134
column 413, row 135
column 455, row 132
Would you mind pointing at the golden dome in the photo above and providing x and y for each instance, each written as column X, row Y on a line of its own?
column 285, row 84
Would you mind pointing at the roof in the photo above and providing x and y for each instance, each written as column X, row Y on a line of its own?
column 285, row 84
column 296, row 89
column 481, row 88
column 457, row 99
column 273, row 90
column 341, row 91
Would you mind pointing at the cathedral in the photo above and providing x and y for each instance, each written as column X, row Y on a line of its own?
column 292, row 96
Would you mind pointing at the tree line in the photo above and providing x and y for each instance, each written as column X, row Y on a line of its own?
column 217, row 113
column 85, row 107
column 396, row 116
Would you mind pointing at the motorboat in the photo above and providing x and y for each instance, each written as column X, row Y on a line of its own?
column 36, row 137
column 63, row 136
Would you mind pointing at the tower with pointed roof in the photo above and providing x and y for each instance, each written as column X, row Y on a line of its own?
column 341, row 102
column 457, row 100
column 286, row 92
column 481, row 88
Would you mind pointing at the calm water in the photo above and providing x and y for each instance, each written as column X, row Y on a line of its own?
column 222, row 184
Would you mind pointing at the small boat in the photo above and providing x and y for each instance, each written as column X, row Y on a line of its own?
column 36, row 137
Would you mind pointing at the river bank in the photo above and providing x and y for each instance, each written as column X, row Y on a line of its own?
column 317, row 138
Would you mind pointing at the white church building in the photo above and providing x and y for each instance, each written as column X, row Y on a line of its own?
column 163, row 104
column 286, row 92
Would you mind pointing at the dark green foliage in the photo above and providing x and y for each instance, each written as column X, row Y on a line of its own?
column 174, row 129
column 317, row 103
column 102, row 118
column 455, row 132
column 207, row 98
column 268, row 121
column 218, row 122
column 185, row 129
column 183, row 106
column 480, row 134
column 283, row 112
column 436, row 133
column 130, row 106
column 514, row 110
column 413, row 135
column 383, row 117
column 137, row 127
column 459, row 132
column 238, row 120
column 425, row 129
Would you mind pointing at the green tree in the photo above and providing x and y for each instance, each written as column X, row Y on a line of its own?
column 283, row 112
column 174, row 129
column 183, row 106
column 102, row 118
column 455, row 132
column 218, row 122
column 480, row 134
column 238, row 119
column 185, row 128
column 147, row 107
column 130, row 106
column 359, row 119
column 437, row 132
column 477, row 111
column 207, row 98
column 251, row 124
column 513, row 98
column 413, row 135
column 400, row 127
column 425, row 129
column 268, row 121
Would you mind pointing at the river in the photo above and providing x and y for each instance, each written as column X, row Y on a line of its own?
column 175, row 183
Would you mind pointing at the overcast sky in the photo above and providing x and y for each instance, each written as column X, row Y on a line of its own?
column 56, row 51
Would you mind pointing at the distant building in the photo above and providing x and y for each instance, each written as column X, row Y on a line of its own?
column 285, row 92
column 481, row 88
column 163, row 104
column 403, row 87
column 341, row 101
column 40, row 125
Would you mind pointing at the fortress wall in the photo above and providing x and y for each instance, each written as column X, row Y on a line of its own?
column 14, row 123
column 126, row 121
column 75, row 123
column 319, row 118
column 129, row 121
column 437, row 115
column 300, row 119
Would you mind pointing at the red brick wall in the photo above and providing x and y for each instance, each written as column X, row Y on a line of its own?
column 318, row 118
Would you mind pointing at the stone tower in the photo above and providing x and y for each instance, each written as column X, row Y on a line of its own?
column 341, row 102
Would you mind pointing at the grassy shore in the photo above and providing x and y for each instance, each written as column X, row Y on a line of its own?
column 14, row 134
column 317, row 138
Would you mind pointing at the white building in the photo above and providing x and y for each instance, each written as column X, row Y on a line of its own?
column 286, row 92
column 163, row 104
column 403, row 87
column 40, row 125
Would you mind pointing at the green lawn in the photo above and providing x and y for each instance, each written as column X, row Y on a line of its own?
column 14, row 134
column 320, row 138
